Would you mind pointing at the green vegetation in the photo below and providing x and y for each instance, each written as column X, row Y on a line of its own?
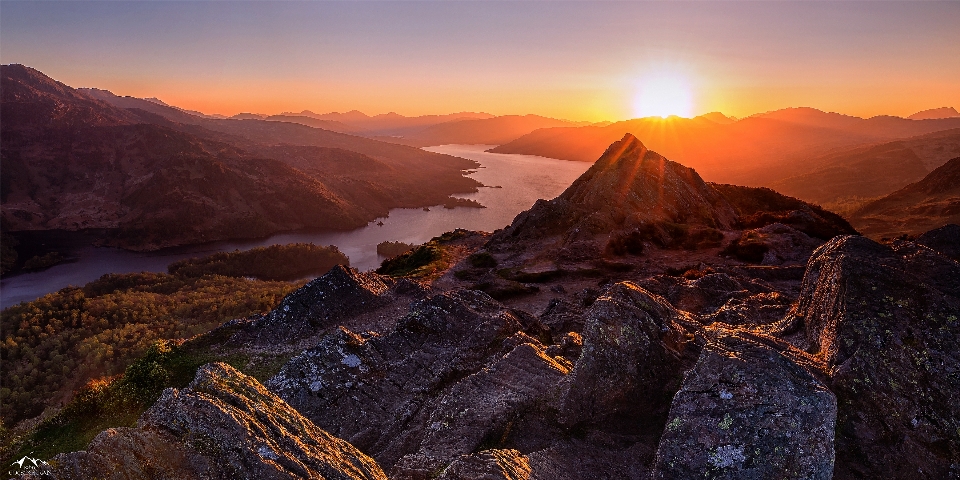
column 8, row 253
column 105, row 351
column 393, row 249
column 42, row 262
column 482, row 260
column 276, row 262
column 454, row 202
column 55, row 344
column 419, row 262
column 427, row 260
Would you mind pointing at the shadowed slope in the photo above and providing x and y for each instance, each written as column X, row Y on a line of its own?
column 930, row 203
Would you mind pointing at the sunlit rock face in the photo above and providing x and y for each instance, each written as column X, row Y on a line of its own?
column 224, row 425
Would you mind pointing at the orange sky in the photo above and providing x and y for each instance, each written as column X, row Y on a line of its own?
column 584, row 61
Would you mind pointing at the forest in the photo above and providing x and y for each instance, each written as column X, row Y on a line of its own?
column 53, row 346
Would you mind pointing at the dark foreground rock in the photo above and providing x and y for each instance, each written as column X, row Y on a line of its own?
column 635, row 349
column 747, row 412
column 448, row 378
column 945, row 240
column 340, row 293
column 225, row 425
column 885, row 322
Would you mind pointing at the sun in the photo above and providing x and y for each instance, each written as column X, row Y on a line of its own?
column 663, row 95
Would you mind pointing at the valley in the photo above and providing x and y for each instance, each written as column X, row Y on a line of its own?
column 544, row 262
column 642, row 324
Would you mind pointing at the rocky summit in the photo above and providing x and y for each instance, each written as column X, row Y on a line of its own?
column 643, row 325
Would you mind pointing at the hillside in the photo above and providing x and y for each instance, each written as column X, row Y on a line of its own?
column 756, row 150
column 626, row 329
column 871, row 171
column 155, row 176
column 929, row 203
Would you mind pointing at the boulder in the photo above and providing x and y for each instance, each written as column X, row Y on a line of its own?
column 885, row 322
column 635, row 349
column 224, row 425
column 379, row 391
column 326, row 301
column 747, row 412
column 484, row 409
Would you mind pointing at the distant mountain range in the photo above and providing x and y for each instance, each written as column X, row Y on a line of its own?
column 760, row 150
column 942, row 112
column 355, row 166
column 144, row 175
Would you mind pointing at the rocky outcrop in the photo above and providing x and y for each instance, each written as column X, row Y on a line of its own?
column 224, row 425
column 747, row 412
column 486, row 408
column 884, row 322
column 390, row 394
column 327, row 301
column 635, row 349
column 774, row 244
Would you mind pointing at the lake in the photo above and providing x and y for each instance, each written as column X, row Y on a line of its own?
column 522, row 180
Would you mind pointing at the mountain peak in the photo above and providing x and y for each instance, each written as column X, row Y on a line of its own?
column 32, row 100
column 934, row 113
column 629, row 187
column 633, row 181
column 718, row 117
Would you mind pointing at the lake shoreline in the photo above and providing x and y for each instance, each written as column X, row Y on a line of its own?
column 522, row 180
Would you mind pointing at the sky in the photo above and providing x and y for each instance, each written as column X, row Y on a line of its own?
column 576, row 60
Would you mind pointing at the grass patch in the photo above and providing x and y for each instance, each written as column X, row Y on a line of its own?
column 424, row 261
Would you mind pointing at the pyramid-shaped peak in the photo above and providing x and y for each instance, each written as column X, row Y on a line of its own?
column 631, row 180
column 629, row 187
column 628, row 146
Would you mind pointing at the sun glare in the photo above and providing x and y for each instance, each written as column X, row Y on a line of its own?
column 662, row 96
